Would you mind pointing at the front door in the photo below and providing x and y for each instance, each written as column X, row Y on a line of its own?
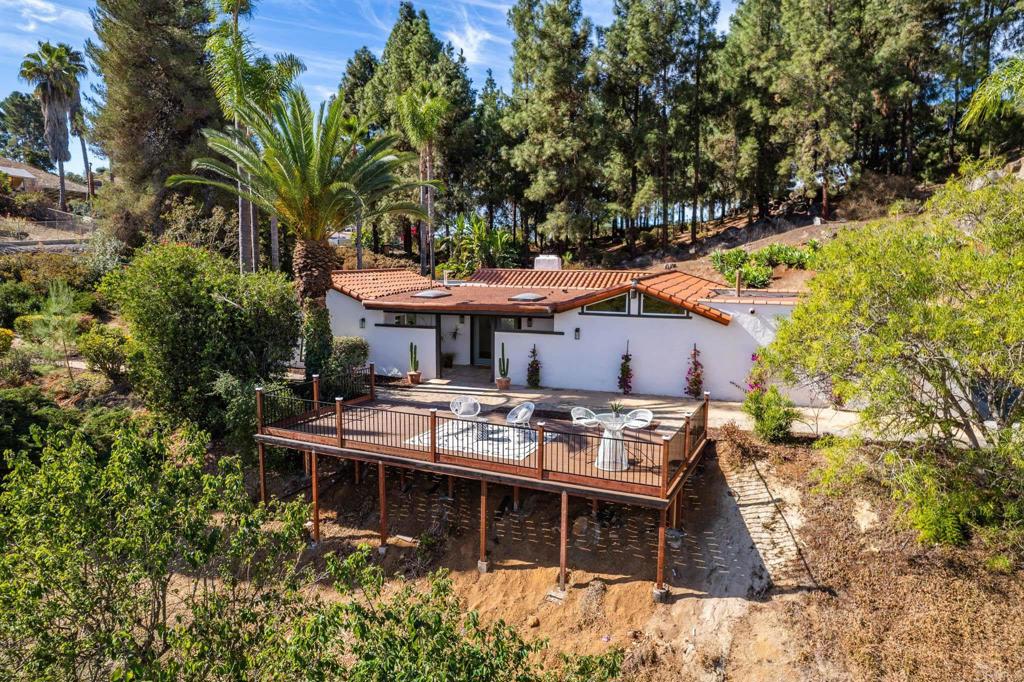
column 483, row 341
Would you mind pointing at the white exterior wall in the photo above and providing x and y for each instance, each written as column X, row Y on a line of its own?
column 389, row 346
column 660, row 348
column 460, row 344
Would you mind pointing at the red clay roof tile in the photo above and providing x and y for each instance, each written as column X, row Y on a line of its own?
column 366, row 285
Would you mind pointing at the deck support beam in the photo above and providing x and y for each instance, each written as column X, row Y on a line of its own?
column 515, row 498
column 594, row 506
column 451, row 487
column 660, row 589
column 676, row 502
column 316, row 499
column 563, row 540
column 383, row 495
column 261, row 451
column 358, row 466
column 482, row 564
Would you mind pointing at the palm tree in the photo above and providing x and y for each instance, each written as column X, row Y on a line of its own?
column 79, row 130
column 315, row 172
column 1003, row 88
column 237, row 71
column 422, row 112
column 54, row 71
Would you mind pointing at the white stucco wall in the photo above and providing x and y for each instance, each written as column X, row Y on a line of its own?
column 660, row 348
column 389, row 346
column 460, row 344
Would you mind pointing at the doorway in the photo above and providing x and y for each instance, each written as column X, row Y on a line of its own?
column 482, row 345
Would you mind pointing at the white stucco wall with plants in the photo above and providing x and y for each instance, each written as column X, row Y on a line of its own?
column 660, row 348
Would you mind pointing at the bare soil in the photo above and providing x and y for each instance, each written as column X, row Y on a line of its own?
column 769, row 580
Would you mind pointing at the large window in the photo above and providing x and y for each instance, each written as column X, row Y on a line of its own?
column 659, row 308
column 612, row 306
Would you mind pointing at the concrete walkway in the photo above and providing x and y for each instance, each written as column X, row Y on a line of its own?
column 670, row 410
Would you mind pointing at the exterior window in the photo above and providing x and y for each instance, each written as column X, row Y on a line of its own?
column 509, row 324
column 406, row 320
column 612, row 306
column 655, row 306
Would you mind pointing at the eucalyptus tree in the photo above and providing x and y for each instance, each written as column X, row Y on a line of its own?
column 314, row 171
column 423, row 112
column 237, row 71
column 54, row 71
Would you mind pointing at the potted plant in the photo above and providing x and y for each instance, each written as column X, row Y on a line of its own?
column 533, row 369
column 447, row 360
column 413, row 374
column 502, row 381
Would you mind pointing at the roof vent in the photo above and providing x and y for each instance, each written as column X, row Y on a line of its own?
column 431, row 293
column 528, row 297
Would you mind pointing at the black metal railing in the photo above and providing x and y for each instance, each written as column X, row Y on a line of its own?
column 385, row 428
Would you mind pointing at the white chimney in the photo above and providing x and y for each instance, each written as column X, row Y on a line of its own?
column 547, row 263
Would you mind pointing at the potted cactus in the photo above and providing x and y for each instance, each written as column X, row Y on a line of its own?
column 413, row 374
column 502, row 381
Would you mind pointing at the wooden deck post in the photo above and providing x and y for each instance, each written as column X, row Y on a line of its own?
column 665, row 440
column 707, row 411
column 660, row 591
column 358, row 466
column 339, row 406
column 373, row 381
column 263, row 472
column 482, row 564
column 540, row 449
column 563, row 548
column 259, row 409
column 686, row 443
column 305, row 463
column 316, row 500
column 383, row 495
column 451, row 487
column 675, row 507
column 433, row 434
column 515, row 498
column 594, row 506
column 316, row 391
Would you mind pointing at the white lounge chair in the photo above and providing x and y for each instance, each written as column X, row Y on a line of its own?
column 519, row 419
column 581, row 416
column 465, row 407
column 639, row 419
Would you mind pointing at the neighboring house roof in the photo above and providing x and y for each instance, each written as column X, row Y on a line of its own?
column 40, row 178
column 554, row 291
column 595, row 280
column 367, row 285
column 755, row 296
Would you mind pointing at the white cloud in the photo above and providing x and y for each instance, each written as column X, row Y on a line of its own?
column 36, row 13
column 470, row 39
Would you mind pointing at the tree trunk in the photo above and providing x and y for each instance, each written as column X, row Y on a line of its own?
column 359, row 241
column 254, row 225
column 824, row 196
column 244, row 235
column 423, row 205
column 61, row 192
column 275, row 245
column 430, row 207
column 312, row 262
column 90, row 192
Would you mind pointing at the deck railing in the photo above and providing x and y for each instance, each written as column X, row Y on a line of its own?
column 655, row 462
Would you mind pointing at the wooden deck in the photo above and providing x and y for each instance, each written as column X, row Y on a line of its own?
column 552, row 450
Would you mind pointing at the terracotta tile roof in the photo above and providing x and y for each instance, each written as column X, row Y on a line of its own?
column 755, row 296
column 594, row 280
column 481, row 298
column 366, row 285
column 686, row 291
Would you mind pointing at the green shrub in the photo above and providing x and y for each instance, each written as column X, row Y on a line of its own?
column 317, row 339
column 6, row 340
column 239, row 399
column 773, row 413
column 17, row 299
column 39, row 269
column 844, row 466
column 104, row 253
column 15, row 367
column 999, row 563
column 755, row 275
column 193, row 317
column 728, row 262
column 32, row 205
column 105, row 350
column 26, row 326
column 336, row 379
column 20, row 410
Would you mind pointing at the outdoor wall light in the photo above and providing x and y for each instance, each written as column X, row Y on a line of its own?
column 577, row 334
column 362, row 323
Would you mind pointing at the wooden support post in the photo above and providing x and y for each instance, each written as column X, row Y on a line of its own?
column 316, row 500
column 660, row 591
column 707, row 411
column 316, row 391
column 339, row 406
column 686, row 442
column 563, row 549
column 358, row 466
column 515, row 498
column 263, row 472
column 383, row 495
column 594, row 506
column 540, row 449
column 305, row 463
column 482, row 564
column 433, row 435
column 259, row 410
column 675, row 507
column 665, row 440
column 373, row 381
column 451, row 487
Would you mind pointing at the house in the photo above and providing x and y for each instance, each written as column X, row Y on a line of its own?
column 26, row 178
column 580, row 321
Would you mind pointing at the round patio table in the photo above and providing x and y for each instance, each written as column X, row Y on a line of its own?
column 611, row 455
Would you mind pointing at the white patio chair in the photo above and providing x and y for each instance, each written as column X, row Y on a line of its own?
column 639, row 419
column 465, row 407
column 581, row 416
column 519, row 419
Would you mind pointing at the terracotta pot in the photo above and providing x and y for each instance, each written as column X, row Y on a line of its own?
column 414, row 377
column 503, row 383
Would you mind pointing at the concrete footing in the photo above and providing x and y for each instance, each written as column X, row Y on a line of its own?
column 660, row 595
column 483, row 566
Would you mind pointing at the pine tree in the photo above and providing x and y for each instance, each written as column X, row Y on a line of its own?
column 21, row 131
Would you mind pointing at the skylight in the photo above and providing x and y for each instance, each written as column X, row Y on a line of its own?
column 527, row 297
column 432, row 293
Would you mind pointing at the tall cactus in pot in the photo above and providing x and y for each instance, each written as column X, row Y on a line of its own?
column 413, row 374
column 502, row 381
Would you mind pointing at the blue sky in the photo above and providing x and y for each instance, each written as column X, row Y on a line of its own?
column 323, row 33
